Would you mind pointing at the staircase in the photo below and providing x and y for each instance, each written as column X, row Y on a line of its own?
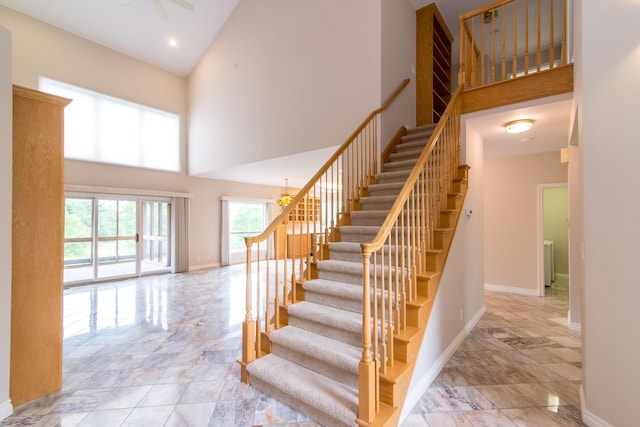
column 313, row 363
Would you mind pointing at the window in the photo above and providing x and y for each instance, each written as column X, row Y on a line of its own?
column 100, row 128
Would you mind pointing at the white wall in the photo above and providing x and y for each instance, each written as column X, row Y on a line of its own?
column 39, row 49
column 6, row 173
column 511, row 212
column 460, row 300
column 398, row 56
column 609, row 93
column 284, row 77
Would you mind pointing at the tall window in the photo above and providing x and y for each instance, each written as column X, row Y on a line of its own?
column 105, row 129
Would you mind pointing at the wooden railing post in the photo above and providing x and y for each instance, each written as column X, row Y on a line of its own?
column 248, row 326
column 367, row 368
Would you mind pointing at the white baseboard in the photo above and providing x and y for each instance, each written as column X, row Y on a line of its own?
column 573, row 326
column 203, row 266
column 6, row 409
column 421, row 387
column 589, row 418
column 562, row 276
column 510, row 289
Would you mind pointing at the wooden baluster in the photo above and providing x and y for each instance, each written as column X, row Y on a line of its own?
column 474, row 57
column 551, row 53
column 367, row 367
column 276, row 300
column 267, row 298
column 539, row 52
column 482, row 71
column 514, row 65
column 504, row 46
column 493, row 48
column 258, row 302
column 564, row 32
column 462, row 77
column 526, row 38
column 390, row 293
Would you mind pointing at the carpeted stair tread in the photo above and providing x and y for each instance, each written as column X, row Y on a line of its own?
column 412, row 145
column 335, row 353
column 386, row 189
column 406, row 154
column 330, row 316
column 331, row 287
column 394, row 176
column 421, row 129
column 332, row 398
column 369, row 217
column 406, row 164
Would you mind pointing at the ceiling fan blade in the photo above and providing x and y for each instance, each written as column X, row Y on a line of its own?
column 160, row 9
column 183, row 3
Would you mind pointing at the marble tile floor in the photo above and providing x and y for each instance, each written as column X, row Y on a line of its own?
column 161, row 351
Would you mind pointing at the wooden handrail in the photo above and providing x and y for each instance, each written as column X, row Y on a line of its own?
column 387, row 225
column 299, row 236
column 301, row 194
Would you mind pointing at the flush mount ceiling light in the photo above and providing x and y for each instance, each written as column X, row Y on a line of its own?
column 518, row 126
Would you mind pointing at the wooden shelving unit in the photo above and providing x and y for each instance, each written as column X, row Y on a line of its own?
column 297, row 233
column 433, row 65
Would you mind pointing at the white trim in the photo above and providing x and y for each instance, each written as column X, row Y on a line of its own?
column 510, row 289
column 6, row 409
column 573, row 326
column 562, row 275
column 122, row 191
column 421, row 387
column 589, row 418
column 204, row 266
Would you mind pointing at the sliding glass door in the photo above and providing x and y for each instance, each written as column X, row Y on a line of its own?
column 117, row 238
column 107, row 238
column 156, row 252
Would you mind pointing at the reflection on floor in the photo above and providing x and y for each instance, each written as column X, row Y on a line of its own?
column 161, row 351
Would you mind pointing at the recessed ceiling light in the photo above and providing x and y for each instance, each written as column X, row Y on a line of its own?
column 518, row 126
column 173, row 43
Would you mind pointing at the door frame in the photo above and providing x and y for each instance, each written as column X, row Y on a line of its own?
column 540, row 231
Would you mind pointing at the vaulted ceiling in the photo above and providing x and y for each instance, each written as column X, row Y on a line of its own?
column 143, row 28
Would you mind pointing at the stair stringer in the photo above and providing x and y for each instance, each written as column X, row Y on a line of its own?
column 403, row 382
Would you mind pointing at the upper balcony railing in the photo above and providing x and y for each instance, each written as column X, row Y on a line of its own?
column 512, row 38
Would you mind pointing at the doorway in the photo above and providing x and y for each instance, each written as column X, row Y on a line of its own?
column 553, row 237
column 108, row 238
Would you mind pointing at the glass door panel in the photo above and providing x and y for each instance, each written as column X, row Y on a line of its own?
column 156, row 238
column 116, row 251
column 78, row 240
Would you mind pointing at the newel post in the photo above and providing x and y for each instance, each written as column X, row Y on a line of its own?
column 248, row 326
column 367, row 368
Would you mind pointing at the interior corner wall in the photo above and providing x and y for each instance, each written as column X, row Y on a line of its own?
column 6, row 174
column 284, row 77
column 459, row 303
column 609, row 93
column 398, row 57
column 511, row 217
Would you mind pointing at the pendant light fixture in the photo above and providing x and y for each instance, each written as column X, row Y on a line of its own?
column 286, row 198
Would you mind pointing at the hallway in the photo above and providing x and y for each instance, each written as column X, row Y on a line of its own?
column 161, row 351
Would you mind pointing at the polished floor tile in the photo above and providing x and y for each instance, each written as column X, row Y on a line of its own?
column 162, row 351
